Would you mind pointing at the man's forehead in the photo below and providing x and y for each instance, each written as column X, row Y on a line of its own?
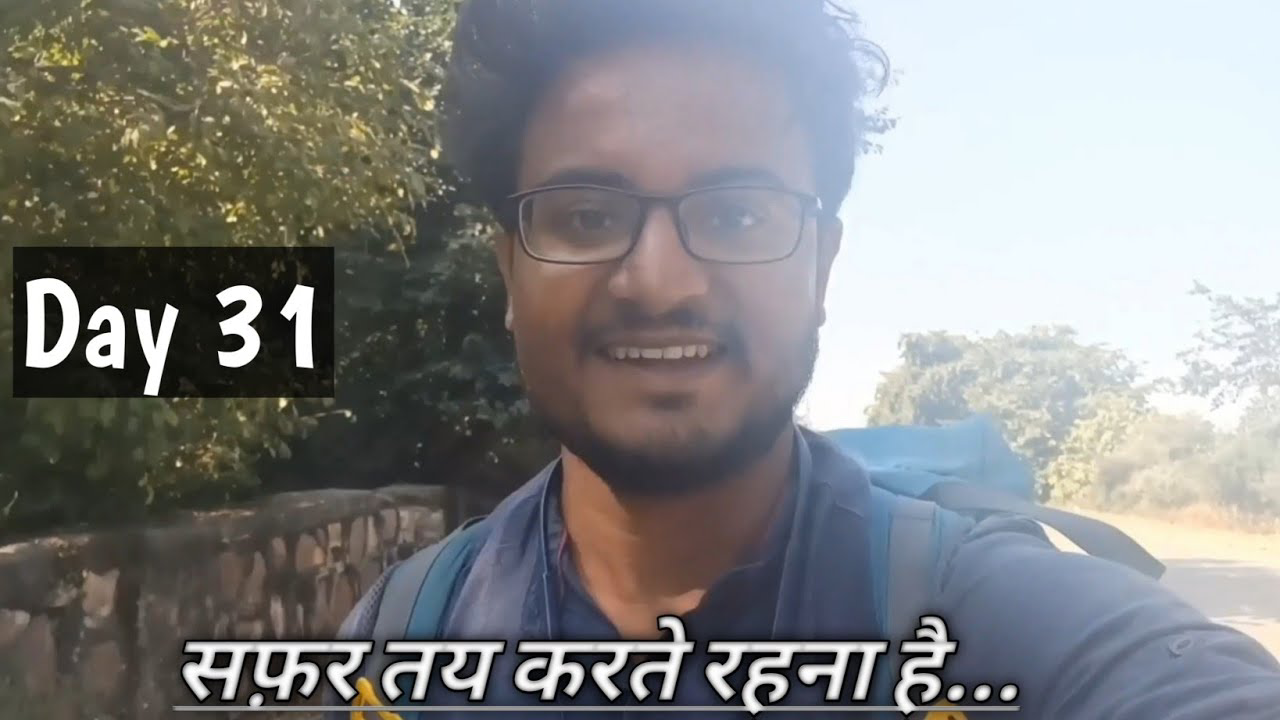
column 664, row 118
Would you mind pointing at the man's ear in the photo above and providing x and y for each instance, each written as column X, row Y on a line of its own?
column 830, row 237
column 502, row 247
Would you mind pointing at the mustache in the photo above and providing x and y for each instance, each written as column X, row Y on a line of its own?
column 627, row 319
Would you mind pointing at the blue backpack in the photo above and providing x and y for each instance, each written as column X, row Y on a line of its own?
column 928, row 485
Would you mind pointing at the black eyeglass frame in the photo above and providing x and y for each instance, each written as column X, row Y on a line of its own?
column 811, row 208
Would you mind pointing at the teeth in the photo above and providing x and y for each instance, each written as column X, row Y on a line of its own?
column 674, row 352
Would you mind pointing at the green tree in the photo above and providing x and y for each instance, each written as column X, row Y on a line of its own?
column 1238, row 356
column 1236, row 359
column 428, row 390
column 1037, row 383
column 1165, row 462
column 1246, row 469
column 1106, row 421
column 261, row 122
column 1120, row 459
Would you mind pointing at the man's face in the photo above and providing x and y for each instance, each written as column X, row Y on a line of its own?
column 665, row 120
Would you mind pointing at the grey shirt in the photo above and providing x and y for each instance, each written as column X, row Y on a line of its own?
column 1086, row 638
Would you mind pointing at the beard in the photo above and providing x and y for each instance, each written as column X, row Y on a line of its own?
column 687, row 461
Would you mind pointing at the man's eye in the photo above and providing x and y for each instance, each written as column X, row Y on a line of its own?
column 735, row 217
column 590, row 220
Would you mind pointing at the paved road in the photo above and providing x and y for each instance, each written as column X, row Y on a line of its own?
column 1234, row 577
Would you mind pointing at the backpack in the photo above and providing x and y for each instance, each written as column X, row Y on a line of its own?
column 968, row 468
column 929, row 484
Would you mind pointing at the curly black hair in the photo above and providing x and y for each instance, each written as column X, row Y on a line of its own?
column 506, row 52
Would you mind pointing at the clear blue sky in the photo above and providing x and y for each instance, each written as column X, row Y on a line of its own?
column 1068, row 162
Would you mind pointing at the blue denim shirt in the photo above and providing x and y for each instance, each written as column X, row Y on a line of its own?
column 1082, row 638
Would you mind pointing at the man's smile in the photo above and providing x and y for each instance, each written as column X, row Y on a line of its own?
column 670, row 352
column 659, row 362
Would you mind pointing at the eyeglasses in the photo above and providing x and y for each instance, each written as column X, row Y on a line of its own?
column 589, row 224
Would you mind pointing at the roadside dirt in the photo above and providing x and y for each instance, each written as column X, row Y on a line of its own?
column 1234, row 577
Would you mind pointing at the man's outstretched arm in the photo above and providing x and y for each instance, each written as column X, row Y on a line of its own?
column 1085, row 638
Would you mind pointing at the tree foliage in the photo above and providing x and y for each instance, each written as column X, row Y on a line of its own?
column 1247, row 469
column 261, row 122
column 1037, row 383
column 1161, row 464
column 1106, row 421
column 426, row 372
column 1238, row 356
column 1171, row 462
column 1078, row 413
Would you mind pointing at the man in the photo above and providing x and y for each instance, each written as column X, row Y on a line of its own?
column 667, row 174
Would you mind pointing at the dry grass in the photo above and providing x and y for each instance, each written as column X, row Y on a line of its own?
column 1202, row 515
column 1206, row 516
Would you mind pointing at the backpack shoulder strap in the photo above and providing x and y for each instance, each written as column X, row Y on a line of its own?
column 418, row 591
column 440, row 581
column 404, row 582
column 1095, row 537
column 912, row 557
column 910, row 541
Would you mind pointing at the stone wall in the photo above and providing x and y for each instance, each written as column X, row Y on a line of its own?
column 91, row 626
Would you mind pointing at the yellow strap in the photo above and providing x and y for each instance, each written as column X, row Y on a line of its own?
column 366, row 696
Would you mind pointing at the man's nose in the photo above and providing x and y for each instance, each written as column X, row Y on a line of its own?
column 659, row 275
